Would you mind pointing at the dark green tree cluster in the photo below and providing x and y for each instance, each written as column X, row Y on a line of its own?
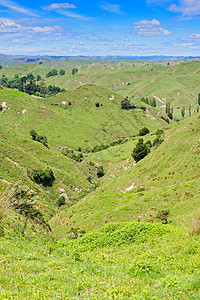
column 72, row 155
column 54, row 72
column 100, row 171
column 62, row 72
column 42, row 176
column 140, row 150
column 1, row 67
column 39, row 138
column 169, row 110
column 151, row 102
column 143, row 131
column 159, row 138
column 28, row 84
column 126, row 104
column 74, row 71
column 165, row 119
column 101, row 147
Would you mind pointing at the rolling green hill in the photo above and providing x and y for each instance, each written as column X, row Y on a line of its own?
column 166, row 179
column 178, row 84
column 106, row 241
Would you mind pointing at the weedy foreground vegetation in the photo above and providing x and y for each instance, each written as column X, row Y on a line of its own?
column 83, row 213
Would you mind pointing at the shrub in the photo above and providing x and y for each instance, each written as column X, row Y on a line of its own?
column 143, row 131
column 62, row 72
column 74, row 71
column 100, row 171
column 165, row 119
column 54, row 72
column 90, row 178
column 72, row 155
column 39, row 138
column 43, row 176
column 126, row 104
column 61, row 201
column 140, row 151
column 163, row 216
column 97, row 104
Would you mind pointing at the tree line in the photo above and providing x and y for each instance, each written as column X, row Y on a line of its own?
column 29, row 84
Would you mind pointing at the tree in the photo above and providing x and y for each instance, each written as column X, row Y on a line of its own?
column 199, row 99
column 153, row 102
column 33, row 134
column 62, row 72
column 54, row 72
column 140, row 151
column 183, row 111
column 43, row 176
column 38, row 78
column 100, row 172
column 74, row 71
column 126, row 104
column 143, row 131
column 1, row 67
column 189, row 109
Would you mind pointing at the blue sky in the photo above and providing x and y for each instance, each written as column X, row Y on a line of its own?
column 83, row 27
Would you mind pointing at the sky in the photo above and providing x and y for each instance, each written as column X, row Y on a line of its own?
column 100, row 28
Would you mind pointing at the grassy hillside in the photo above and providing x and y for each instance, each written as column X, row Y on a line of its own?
column 141, row 261
column 107, row 241
column 72, row 118
column 166, row 179
column 178, row 84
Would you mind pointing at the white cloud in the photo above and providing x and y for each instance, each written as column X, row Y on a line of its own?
column 149, row 28
column 11, row 26
column 14, row 6
column 186, row 7
column 111, row 8
column 57, row 6
column 45, row 29
column 70, row 14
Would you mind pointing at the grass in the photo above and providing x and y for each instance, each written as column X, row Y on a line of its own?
column 126, row 252
column 146, row 267
column 168, row 178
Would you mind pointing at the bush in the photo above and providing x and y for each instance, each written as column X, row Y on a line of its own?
column 126, row 104
column 140, row 151
column 72, row 155
column 100, row 172
column 54, row 72
column 43, row 176
column 39, row 138
column 163, row 216
column 61, row 201
column 74, row 71
column 143, row 131
column 62, row 72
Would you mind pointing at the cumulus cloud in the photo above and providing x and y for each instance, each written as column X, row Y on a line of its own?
column 11, row 26
column 112, row 8
column 186, row 7
column 149, row 28
column 57, row 6
column 14, row 6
